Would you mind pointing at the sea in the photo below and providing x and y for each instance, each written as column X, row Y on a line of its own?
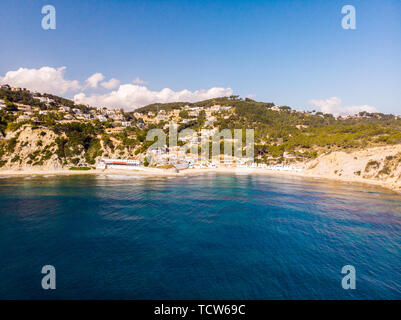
column 207, row 236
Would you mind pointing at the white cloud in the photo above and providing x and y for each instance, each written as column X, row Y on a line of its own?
column 129, row 96
column 94, row 80
column 333, row 105
column 251, row 96
column 111, row 84
column 138, row 80
column 45, row 79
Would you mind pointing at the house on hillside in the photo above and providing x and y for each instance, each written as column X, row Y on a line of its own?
column 194, row 113
column 215, row 108
column 117, row 117
column 23, row 118
column 101, row 118
column 22, row 107
column 44, row 99
column 114, row 130
column 161, row 117
column 64, row 109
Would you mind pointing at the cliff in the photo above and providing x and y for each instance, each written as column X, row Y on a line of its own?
column 377, row 165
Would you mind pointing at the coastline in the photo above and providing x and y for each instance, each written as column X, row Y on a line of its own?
column 155, row 172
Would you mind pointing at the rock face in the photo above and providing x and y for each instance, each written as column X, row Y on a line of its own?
column 39, row 148
column 30, row 149
column 381, row 165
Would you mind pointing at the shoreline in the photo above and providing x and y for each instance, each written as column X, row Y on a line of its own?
column 155, row 172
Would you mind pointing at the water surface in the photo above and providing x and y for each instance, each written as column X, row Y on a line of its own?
column 201, row 237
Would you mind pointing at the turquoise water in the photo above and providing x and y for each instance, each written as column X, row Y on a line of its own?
column 202, row 237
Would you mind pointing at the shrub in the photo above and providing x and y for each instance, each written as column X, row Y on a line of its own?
column 11, row 145
column 16, row 158
column 385, row 171
column 371, row 164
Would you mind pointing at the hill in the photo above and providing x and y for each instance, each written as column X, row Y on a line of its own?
column 39, row 130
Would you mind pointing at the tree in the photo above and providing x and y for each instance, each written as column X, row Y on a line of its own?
column 183, row 114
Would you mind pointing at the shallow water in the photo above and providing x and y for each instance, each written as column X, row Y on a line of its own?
column 201, row 237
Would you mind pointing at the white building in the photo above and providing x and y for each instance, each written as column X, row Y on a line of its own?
column 23, row 118
column 101, row 118
column 110, row 112
column 117, row 117
column 161, row 117
column 44, row 99
column 64, row 109
column 119, row 164
column 216, row 107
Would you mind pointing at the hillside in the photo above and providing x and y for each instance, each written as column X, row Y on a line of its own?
column 46, row 131
column 376, row 165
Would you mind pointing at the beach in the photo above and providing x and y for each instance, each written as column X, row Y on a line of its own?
column 156, row 172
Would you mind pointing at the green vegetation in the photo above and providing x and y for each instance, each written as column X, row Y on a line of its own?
column 11, row 145
column 166, row 166
column 94, row 151
column 76, row 138
column 385, row 171
column 281, row 134
column 304, row 135
column 372, row 164
column 80, row 168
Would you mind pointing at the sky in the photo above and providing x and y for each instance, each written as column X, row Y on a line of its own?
column 131, row 53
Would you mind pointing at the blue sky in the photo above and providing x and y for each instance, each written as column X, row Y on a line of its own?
column 287, row 52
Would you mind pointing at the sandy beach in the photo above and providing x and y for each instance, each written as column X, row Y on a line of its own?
column 336, row 166
column 155, row 172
